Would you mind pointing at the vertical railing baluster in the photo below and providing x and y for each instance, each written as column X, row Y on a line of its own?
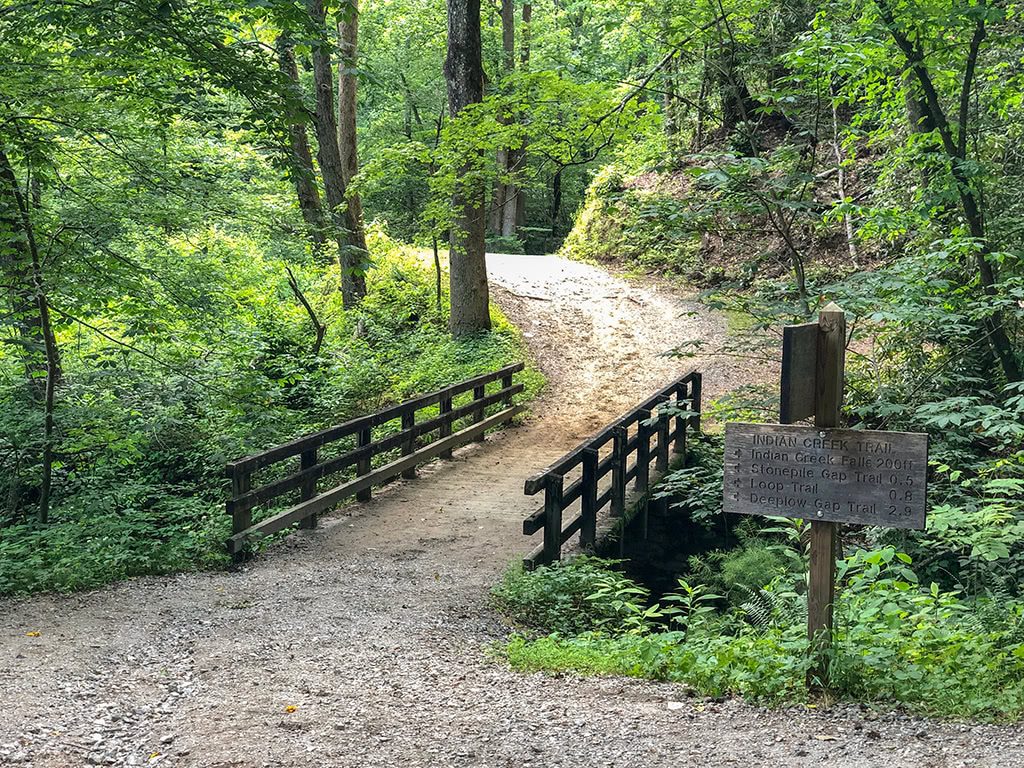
column 695, row 394
column 478, row 414
column 680, row 426
column 408, row 422
column 620, row 456
column 553, row 519
column 643, row 452
column 308, row 488
column 241, row 515
column 506, row 382
column 446, row 427
column 588, row 499
column 363, row 464
column 661, row 464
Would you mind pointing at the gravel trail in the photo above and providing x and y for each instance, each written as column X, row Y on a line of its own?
column 365, row 642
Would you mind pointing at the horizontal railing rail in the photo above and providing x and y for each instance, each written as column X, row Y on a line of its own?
column 637, row 449
column 416, row 441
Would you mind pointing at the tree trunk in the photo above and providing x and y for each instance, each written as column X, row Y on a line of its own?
column 556, row 200
column 18, row 216
column 348, row 43
column 300, row 159
column 351, row 255
column 955, row 146
column 518, row 159
column 506, row 195
column 463, row 70
column 702, row 100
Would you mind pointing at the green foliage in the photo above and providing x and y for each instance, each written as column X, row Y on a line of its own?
column 139, row 481
column 569, row 597
column 931, row 651
column 697, row 486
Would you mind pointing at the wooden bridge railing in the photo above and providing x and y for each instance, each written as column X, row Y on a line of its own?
column 451, row 424
column 625, row 451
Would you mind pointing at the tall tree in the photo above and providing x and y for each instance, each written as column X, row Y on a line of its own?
column 954, row 132
column 348, row 37
column 503, row 208
column 300, row 159
column 351, row 252
column 15, row 214
column 464, row 74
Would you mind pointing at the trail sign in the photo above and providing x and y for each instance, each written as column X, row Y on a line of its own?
column 821, row 473
column 836, row 475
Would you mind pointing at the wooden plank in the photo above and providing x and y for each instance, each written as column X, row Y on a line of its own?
column 534, row 522
column 832, row 475
column 553, row 519
column 349, row 428
column 336, row 495
column 532, row 560
column 799, row 372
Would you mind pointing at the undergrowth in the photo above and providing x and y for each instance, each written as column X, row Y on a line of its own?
column 897, row 642
column 141, row 486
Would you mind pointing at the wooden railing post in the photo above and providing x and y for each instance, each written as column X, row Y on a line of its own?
column 308, row 489
column 363, row 464
column 661, row 464
column 506, row 382
column 588, row 500
column 241, row 483
column 643, row 452
column 478, row 414
column 695, row 392
column 553, row 519
column 446, row 428
column 619, row 458
column 679, row 445
column 408, row 422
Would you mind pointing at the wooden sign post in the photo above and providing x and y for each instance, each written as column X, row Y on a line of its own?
column 821, row 473
column 828, row 401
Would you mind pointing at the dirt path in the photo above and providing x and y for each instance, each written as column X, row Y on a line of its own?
column 364, row 643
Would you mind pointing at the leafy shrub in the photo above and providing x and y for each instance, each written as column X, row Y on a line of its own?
column 931, row 651
column 567, row 597
column 138, row 482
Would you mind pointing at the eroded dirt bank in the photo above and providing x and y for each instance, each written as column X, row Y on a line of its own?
column 364, row 642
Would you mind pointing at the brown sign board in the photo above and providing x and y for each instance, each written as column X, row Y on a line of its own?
column 836, row 475
column 799, row 368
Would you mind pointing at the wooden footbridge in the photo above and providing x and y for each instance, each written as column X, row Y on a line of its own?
column 352, row 458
